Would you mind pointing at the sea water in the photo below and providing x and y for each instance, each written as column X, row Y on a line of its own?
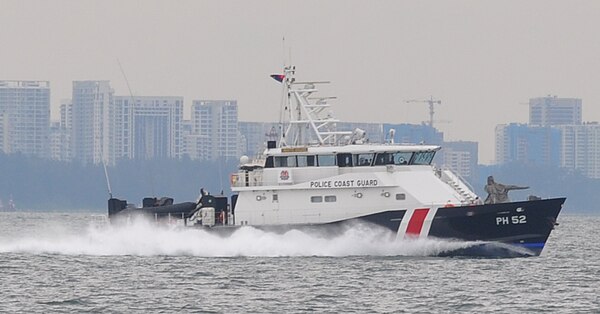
column 74, row 262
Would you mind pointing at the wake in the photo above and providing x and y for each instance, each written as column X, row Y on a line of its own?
column 143, row 238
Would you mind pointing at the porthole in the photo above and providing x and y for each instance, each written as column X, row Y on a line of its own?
column 330, row 198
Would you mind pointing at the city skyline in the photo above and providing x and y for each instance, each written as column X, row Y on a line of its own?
column 482, row 59
column 98, row 125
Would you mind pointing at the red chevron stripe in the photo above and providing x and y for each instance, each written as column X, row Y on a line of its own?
column 415, row 224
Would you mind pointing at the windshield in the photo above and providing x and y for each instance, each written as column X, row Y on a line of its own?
column 423, row 158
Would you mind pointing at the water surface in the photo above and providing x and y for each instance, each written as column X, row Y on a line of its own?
column 54, row 262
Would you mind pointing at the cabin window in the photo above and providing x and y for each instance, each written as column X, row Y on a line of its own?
column 400, row 196
column 269, row 162
column 306, row 161
column 316, row 199
column 326, row 160
column 301, row 161
column 330, row 198
column 401, row 158
column 285, row 161
column 311, row 161
column 275, row 198
column 344, row 160
column 291, row 161
column 361, row 160
column 384, row 159
column 423, row 158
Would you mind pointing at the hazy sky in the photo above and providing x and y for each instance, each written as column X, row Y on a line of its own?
column 483, row 59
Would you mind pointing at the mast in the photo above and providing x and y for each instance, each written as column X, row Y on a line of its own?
column 310, row 120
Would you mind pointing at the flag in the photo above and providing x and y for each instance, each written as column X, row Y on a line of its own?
column 278, row 77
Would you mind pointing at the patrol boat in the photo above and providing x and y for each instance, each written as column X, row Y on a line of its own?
column 317, row 176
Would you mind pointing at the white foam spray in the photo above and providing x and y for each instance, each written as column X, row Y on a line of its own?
column 144, row 238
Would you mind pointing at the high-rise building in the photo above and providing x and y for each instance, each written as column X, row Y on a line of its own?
column 148, row 127
column 197, row 146
column 60, row 133
column 66, row 114
column 254, row 136
column 461, row 157
column 25, row 110
column 215, row 122
column 555, row 137
column 581, row 148
column 530, row 144
column 92, row 122
column 553, row 111
column 59, row 142
column 3, row 132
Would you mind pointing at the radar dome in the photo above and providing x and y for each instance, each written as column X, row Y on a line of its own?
column 244, row 160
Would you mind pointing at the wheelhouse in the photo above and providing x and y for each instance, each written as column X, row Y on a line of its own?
column 350, row 156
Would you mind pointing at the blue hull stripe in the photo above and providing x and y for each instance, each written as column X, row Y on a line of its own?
column 531, row 245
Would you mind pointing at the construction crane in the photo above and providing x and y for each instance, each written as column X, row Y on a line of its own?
column 431, row 102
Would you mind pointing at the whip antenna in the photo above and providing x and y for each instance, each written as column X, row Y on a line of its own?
column 107, row 179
